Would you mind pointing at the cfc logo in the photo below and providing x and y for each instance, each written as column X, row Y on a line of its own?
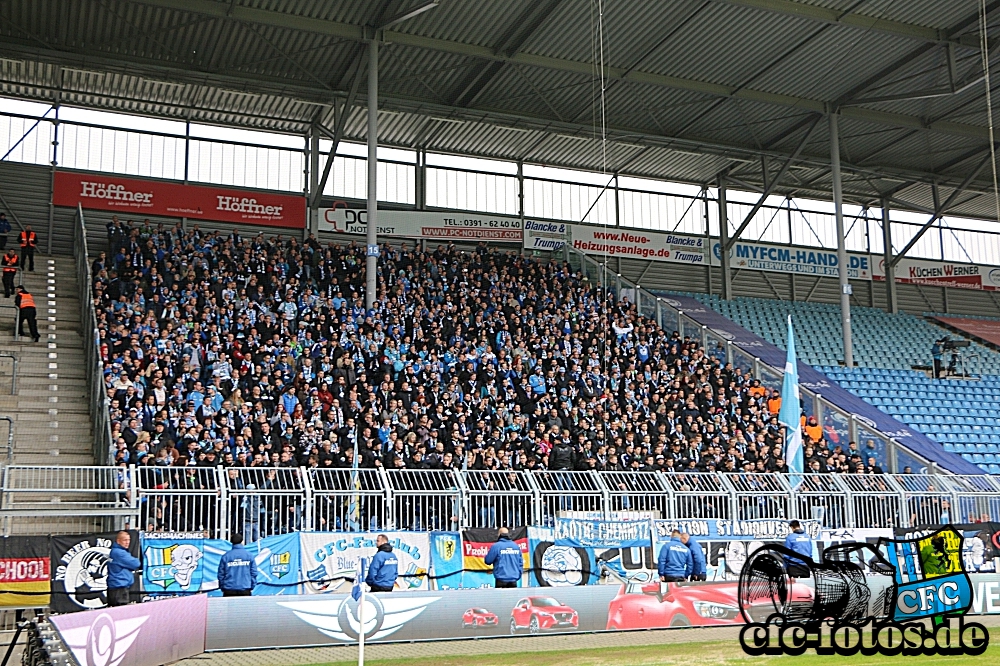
column 886, row 591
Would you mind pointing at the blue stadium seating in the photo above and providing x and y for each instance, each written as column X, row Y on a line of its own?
column 962, row 415
column 881, row 340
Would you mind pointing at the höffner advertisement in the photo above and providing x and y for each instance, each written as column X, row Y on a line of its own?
column 136, row 197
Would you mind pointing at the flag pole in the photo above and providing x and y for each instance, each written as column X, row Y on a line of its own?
column 361, row 617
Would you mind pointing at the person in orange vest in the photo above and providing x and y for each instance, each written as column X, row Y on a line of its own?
column 26, row 312
column 29, row 240
column 813, row 430
column 774, row 402
column 9, row 272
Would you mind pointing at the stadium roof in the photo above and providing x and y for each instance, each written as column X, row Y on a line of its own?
column 694, row 87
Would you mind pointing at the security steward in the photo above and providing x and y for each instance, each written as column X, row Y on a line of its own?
column 9, row 272
column 799, row 542
column 384, row 567
column 506, row 559
column 29, row 240
column 237, row 570
column 121, row 564
column 698, row 569
column 26, row 312
column 675, row 562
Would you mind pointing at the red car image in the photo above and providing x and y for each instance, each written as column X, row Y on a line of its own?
column 479, row 617
column 540, row 614
column 683, row 605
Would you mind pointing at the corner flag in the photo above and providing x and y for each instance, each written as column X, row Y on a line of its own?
column 791, row 409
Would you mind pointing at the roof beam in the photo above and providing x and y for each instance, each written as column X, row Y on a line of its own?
column 940, row 210
column 853, row 96
column 298, row 91
column 338, row 131
column 521, row 30
column 854, row 20
column 769, row 187
column 586, row 69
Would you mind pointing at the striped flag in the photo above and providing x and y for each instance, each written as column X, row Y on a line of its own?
column 790, row 413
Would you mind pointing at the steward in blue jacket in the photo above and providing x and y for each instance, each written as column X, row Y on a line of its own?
column 384, row 567
column 698, row 570
column 237, row 570
column 121, row 564
column 799, row 542
column 506, row 559
column 675, row 560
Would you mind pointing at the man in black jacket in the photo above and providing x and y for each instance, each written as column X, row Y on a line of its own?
column 561, row 456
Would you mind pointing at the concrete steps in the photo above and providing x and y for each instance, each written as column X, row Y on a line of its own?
column 50, row 410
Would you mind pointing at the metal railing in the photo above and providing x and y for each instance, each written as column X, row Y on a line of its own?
column 261, row 501
column 9, row 459
column 17, row 324
column 100, row 407
column 13, row 371
column 58, row 499
column 833, row 419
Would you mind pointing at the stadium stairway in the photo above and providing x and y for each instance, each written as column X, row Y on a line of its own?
column 52, row 423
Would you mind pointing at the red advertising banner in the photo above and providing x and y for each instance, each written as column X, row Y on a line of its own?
column 167, row 199
column 986, row 329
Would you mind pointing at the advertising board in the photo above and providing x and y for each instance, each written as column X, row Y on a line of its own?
column 139, row 197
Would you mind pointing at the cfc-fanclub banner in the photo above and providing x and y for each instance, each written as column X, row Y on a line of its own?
column 133, row 196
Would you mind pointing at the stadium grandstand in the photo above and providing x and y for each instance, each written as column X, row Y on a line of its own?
column 428, row 267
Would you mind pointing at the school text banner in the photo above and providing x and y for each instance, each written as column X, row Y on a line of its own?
column 133, row 196
column 439, row 226
column 24, row 571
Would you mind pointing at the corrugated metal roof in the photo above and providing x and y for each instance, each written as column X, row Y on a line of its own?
column 733, row 79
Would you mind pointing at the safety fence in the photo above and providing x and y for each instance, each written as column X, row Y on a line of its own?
column 98, row 396
column 847, row 426
column 263, row 502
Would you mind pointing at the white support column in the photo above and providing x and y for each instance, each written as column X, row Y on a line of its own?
column 371, row 258
column 838, row 206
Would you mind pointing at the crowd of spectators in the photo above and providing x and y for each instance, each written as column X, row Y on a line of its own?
column 258, row 352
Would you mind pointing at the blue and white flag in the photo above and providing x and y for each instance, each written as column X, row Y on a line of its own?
column 359, row 577
column 791, row 411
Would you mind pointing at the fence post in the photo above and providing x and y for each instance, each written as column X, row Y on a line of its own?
column 390, row 518
column 536, row 498
column 307, row 500
column 605, row 494
column 222, row 480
